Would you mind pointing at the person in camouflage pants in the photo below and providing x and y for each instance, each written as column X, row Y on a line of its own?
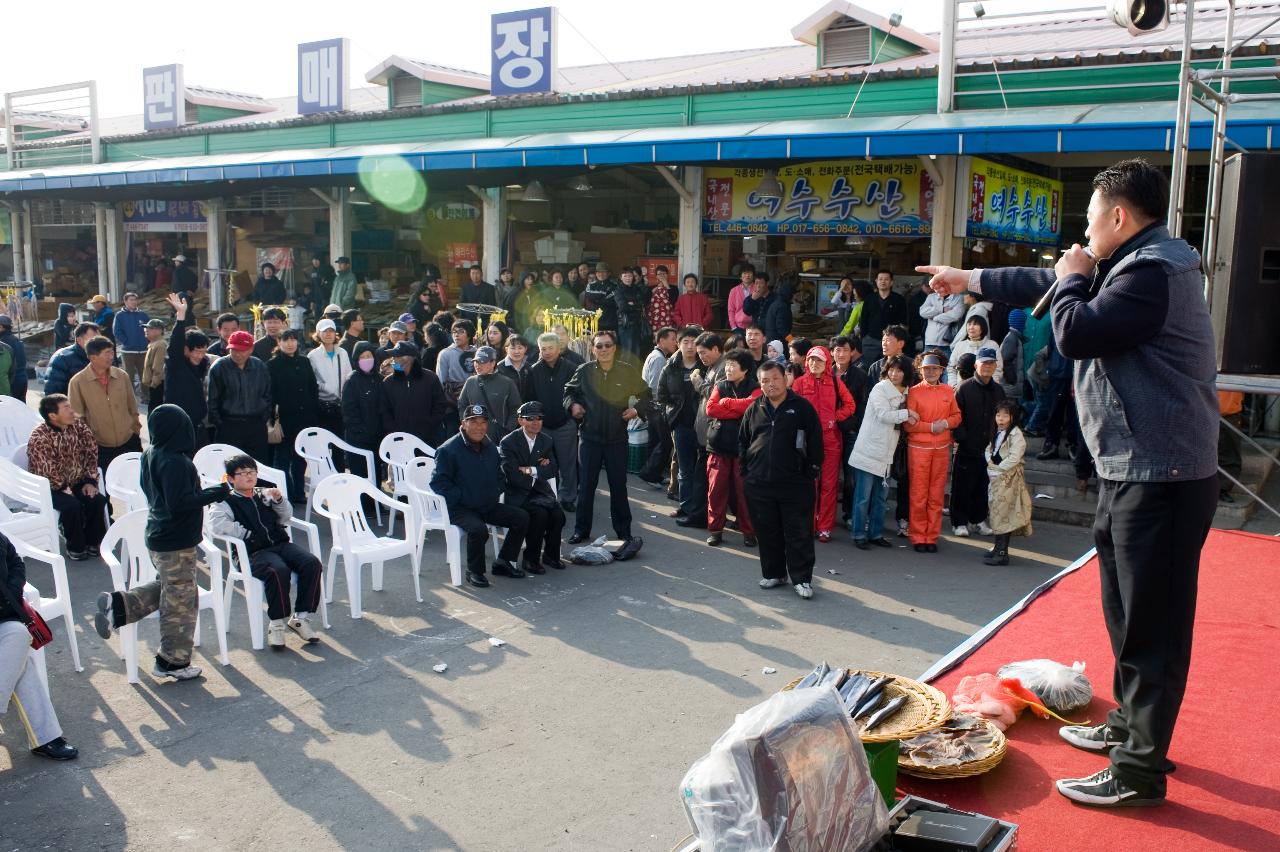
column 175, row 525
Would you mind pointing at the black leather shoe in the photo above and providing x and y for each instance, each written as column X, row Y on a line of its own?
column 714, row 539
column 531, row 567
column 630, row 547
column 480, row 581
column 577, row 538
column 861, row 544
column 696, row 523
column 503, row 568
column 678, row 514
column 922, row 548
column 748, row 541
column 933, row 548
column 556, row 563
column 57, row 749
column 882, row 542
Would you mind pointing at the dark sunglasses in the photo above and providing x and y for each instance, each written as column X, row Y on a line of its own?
column 604, row 345
column 531, row 417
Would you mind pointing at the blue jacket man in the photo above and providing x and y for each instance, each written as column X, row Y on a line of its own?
column 69, row 360
column 469, row 477
column 128, row 324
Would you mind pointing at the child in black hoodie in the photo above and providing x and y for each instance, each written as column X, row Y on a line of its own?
column 175, row 526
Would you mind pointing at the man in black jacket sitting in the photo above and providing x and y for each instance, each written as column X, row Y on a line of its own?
column 529, row 465
column 468, row 476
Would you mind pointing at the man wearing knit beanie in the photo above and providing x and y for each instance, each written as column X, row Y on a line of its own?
column 1013, row 377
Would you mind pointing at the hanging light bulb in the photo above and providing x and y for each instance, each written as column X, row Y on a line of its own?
column 770, row 186
column 535, row 191
column 580, row 184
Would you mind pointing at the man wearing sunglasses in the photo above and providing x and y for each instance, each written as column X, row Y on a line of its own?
column 529, row 465
column 604, row 395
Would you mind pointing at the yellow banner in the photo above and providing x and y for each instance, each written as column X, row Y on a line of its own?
column 839, row 197
column 1004, row 203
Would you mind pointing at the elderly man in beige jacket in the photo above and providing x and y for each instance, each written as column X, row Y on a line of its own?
column 103, row 396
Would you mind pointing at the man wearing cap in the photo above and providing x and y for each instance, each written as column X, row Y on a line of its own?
column 184, row 277
column 273, row 322
column 598, row 295
column 396, row 332
column 126, row 328
column 226, row 325
column 103, row 315
column 268, row 289
column 103, row 396
column 604, row 396
column 18, row 383
column 977, row 398
column 321, row 277
column 410, row 323
column 497, row 393
column 240, row 397
column 343, row 293
column 529, row 464
column 153, row 363
column 412, row 400
column 70, row 359
column 469, row 477
column 352, row 324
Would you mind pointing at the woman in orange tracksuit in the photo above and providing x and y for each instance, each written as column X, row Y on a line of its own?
column 831, row 399
column 929, row 448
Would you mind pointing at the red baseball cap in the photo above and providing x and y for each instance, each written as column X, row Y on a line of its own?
column 240, row 340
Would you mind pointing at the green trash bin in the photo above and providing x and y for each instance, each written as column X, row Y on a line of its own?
column 883, row 761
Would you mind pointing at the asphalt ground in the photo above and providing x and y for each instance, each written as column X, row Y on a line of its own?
column 574, row 735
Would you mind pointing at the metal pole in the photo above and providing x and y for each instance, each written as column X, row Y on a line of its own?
column 947, row 56
column 689, row 240
column 113, row 290
column 100, row 229
column 1216, row 146
column 1182, row 127
column 95, row 140
column 28, row 253
column 214, row 219
column 15, row 228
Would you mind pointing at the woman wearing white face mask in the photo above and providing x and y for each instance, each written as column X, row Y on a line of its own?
column 361, row 404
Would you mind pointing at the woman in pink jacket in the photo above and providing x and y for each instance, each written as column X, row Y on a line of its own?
column 831, row 399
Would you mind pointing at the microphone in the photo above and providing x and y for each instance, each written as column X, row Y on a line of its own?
column 1042, row 306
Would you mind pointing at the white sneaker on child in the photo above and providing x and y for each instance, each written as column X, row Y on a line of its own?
column 961, row 531
column 984, row 529
column 301, row 624
column 275, row 633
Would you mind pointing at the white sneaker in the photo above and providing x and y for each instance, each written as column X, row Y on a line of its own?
column 804, row 590
column 983, row 529
column 902, row 529
column 189, row 673
column 302, row 626
column 275, row 634
column 961, row 531
column 770, row 583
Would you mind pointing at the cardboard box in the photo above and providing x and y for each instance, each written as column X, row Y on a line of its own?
column 808, row 244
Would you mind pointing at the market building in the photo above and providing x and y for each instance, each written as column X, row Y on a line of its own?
column 855, row 147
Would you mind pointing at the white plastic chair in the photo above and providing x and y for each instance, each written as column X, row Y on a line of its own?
column 133, row 567
column 123, row 481
column 17, row 419
column 338, row 499
column 18, row 455
column 433, row 514
column 37, row 524
column 32, row 596
column 58, row 606
column 316, row 446
column 398, row 450
column 210, row 466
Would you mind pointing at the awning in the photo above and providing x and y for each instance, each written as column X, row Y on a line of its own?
column 1129, row 127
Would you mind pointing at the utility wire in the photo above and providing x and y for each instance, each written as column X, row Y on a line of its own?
column 867, row 73
column 590, row 44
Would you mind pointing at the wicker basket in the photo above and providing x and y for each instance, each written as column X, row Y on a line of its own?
column 986, row 763
column 926, row 709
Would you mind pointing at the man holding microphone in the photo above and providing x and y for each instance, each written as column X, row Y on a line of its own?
column 1130, row 310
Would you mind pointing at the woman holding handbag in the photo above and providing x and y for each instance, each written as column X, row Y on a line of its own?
column 17, row 673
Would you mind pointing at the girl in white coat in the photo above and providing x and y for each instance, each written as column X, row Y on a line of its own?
column 872, row 454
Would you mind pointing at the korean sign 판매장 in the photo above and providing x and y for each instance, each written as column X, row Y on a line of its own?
column 997, row 202
column 322, row 76
column 164, row 100
column 847, row 198
column 523, row 52
column 156, row 216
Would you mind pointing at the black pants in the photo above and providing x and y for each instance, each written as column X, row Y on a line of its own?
column 155, row 396
column 902, row 506
column 846, row 471
column 245, row 434
column 475, row 524
column 783, row 519
column 968, row 490
column 274, row 565
column 613, row 458
column 1149, row 536
column 331, row 419
column 81, row 518
column 107, row 454
column 543, row 535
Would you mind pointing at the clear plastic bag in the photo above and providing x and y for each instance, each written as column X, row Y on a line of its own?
column 1061, row 688
column 592, row 554
column 790, row 774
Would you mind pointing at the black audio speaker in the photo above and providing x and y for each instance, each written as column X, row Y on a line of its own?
column 1246, row 284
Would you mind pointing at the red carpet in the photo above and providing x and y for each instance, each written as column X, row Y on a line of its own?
column 1224, row 794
